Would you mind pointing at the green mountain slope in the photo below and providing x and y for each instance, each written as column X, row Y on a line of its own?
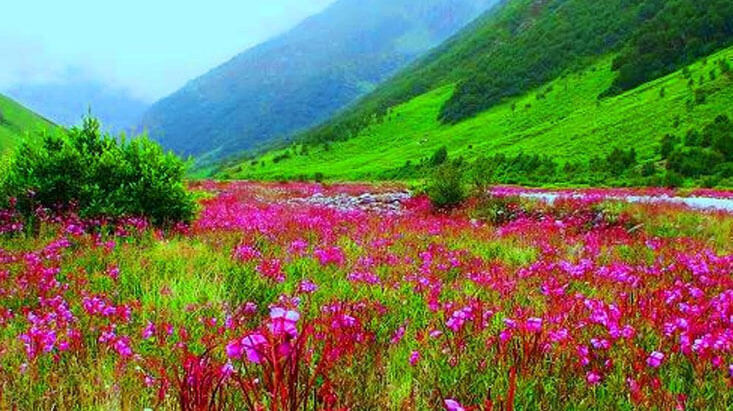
column 563, row 118
column 18, row 122
column 301, row 78
column 526, row 43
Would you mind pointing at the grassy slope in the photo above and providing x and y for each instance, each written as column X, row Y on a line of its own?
column 19, row 122
column 570, row 123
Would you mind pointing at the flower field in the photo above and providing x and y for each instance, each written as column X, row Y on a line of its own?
column 273, row 301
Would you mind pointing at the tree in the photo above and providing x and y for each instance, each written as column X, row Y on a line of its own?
column 669, row 142
column 97, row 175
column 445, row 188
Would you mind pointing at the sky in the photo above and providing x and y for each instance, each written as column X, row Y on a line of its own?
column 149, row 48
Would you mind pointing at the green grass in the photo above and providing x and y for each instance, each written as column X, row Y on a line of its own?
column 570, row 123
column 18, row 123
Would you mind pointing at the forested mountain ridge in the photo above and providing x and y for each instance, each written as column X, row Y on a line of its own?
column 526, row 43
column 671, row 130
column 302, row 77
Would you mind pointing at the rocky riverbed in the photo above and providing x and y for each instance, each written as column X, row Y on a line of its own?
column 382, row 203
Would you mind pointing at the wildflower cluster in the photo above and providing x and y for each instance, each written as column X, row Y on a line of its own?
column 269, row 303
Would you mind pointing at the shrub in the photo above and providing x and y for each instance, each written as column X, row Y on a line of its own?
column 482, row 173
column 445, row 188
column 97, row 176
column 497, row 210
column 439, row 157
column 672, row 179
column 648, row 169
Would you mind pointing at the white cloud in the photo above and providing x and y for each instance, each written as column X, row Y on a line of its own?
column 150, row 48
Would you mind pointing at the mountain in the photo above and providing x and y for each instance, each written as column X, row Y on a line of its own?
column 17, row 123
column 572, row 79
column 66, row 101
column 304, row 76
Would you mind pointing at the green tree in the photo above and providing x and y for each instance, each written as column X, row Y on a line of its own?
column 95, row 174
column 445, row 187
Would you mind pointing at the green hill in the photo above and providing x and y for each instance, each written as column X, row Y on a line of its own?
column 568, row 79
column 563, row 119
column 18, row 122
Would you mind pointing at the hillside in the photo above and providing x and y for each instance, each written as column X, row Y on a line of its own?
column 66, row 101
column 17, row 122
column 526, row 43
column 566, row 79
column 563, row 119
column 302, row 77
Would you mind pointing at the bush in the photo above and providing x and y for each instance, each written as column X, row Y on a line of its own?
column 439, row 157
column 95, row 175
column 672, row 179
column 445, row 188
column 497, row 210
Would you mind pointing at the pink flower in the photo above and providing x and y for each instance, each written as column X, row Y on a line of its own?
column 246, row 253
column 271, row 268
column 398, row 335
column 298, row 247
column 414, row 358
column 435, row 333
column 655, row 359
column 149, row 381
column 592, row 378
column 234, row 350
column 227, row 370
column 534, row 324
column 600, row 343
column 113, row 272
column 254, row 345
column 122, row 347
column 149, row 331
column 283, row 321
column 453, row 405
column 307, row 287
column 330, row 255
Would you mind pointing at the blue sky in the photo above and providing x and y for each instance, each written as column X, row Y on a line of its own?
column 149, row 47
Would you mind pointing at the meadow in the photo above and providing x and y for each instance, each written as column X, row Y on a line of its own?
column 279, row 297
column 563, row 119
column 18, row 123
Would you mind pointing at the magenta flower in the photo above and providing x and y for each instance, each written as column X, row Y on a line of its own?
column 655, row 359
column 593, row 378
column 227, row 370
column 283, row 321
column 330, row 255
column 234, row 350
column 307, row 287
column 414, row 358
column 113, row 272
column 246, row 253
column 453, row 405
column 254, row 345
column 122, row 347
column 534, row 324
column 398, row 335
column 149, row 331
